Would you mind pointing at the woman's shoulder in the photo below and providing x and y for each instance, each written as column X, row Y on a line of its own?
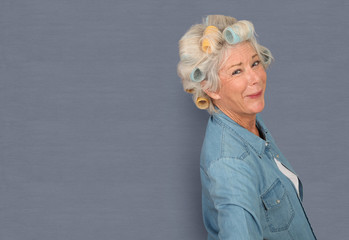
column 221, row 142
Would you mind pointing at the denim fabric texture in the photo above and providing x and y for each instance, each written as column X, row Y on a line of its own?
column 244, row 194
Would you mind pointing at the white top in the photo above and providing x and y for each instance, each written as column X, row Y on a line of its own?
column 289, row 174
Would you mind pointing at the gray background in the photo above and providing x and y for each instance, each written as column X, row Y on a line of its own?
column 99, row 141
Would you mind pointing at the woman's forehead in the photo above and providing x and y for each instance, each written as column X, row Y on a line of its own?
column 240, row 51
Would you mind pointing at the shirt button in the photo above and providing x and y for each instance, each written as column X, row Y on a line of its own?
column 266, row 144
column 277, row 156
column 278, row 201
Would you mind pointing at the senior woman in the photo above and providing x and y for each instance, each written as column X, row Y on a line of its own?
column 249, row 189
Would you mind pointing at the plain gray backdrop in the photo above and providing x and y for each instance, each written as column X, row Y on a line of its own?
column 98, row 140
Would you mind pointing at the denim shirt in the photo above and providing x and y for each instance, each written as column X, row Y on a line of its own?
column 244, row 194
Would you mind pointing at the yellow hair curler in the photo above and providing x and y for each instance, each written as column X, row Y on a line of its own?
column 202, row 102
column 210, row 29
column 189, row 90
column 205, row 44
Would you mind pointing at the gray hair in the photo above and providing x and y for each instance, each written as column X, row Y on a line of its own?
column 197, row 61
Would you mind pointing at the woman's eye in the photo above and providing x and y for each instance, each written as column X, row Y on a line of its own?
column 256, row 63
column 236, row 72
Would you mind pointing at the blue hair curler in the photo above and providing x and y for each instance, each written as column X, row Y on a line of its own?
column 266, row 55
column 249, row 35
column 184, row 57
column 250, row 28
column 249, row 32
column 230, row 36
column 197, row 75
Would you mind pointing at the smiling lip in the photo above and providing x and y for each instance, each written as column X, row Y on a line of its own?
column 256, row 95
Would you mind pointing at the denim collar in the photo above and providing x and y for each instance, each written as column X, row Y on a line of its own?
column 257, row 143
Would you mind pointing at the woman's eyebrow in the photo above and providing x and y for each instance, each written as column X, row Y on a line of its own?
column 238, row 64
column 255, row 55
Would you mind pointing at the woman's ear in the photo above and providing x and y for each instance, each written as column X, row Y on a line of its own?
column 213, row 95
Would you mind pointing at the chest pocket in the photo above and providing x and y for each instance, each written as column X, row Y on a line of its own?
column 278, row 208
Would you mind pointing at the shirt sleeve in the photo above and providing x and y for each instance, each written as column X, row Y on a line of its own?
column 233, row 189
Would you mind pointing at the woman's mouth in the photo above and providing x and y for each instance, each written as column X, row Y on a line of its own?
column 255, row 95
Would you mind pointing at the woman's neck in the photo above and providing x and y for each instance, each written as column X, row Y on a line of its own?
column 246, row 121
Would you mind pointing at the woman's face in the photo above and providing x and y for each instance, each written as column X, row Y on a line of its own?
column 243, row 81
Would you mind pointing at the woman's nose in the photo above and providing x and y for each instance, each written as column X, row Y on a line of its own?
column 252, row 77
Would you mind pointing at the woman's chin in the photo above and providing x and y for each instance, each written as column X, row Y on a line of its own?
column 257, row 107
